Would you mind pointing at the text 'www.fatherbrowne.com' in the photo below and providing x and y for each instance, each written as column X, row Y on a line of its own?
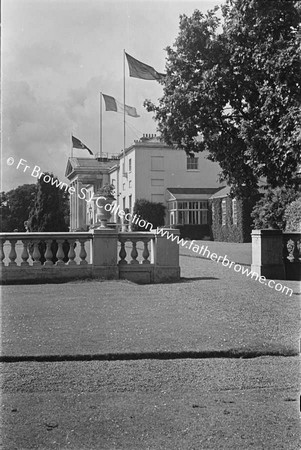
column 205, row 252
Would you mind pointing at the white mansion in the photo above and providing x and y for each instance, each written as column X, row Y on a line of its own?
column 148, row 169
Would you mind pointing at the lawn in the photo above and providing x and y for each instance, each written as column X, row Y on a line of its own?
column 211, row 309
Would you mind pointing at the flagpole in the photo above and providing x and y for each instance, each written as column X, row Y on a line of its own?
column 100, row 125
column 123, row 112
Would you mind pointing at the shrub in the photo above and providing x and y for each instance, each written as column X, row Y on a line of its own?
column 151, row 212
column 292, row 216
column 269, row 210
column 107, row 191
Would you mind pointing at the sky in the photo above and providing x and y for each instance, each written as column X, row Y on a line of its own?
column 57, row 56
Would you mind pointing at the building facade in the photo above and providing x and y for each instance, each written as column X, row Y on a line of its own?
column 86, row 177
column 195, row 201
column 154, row 171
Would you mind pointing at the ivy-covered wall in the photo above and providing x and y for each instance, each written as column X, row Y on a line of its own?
column 230, row 232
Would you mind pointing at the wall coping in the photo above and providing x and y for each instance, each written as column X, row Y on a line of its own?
column 266, row 232
column 41, row 235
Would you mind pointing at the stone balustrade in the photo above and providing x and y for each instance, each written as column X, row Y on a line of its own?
column 101, row 253
column 44, row 256
column 138, row 255
column 276, row 254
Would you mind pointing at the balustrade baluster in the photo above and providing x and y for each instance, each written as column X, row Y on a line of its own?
column 48, row 253
column 12, row 254
column 2, row 254
column 82, row 253
column 25, row 254
column 36, row 254
column 134, row 253
column 71, row 254
column 122, row 253
column 145, row 253
column 60, row 253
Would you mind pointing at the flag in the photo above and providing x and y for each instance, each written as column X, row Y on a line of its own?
column 114, row 105
column 140, row 70
column 76, row 143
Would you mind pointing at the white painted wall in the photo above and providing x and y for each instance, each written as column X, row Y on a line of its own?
column 151, row 183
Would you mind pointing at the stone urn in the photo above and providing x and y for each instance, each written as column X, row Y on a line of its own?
column 103, row 214
column 104, row 200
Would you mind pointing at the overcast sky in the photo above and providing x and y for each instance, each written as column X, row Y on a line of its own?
column 57, row 55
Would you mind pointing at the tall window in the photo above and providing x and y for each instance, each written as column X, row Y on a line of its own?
column 234, row 211
column 123, row 202
column 224, row 211
column 130, row 203
column 192, row 163
column 130, row 165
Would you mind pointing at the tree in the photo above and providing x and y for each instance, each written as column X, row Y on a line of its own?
column 151, row 212
column 51, row 209
column 269, row 211
column 292, row 216
column 15, row 207
column 236, row 93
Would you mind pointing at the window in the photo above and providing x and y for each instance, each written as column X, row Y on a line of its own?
column 130, row 203
column 123, row 186
column 130, row 165
column 192, row 163
column 157, row 182
column 234, row 211
column 188, row 212
column 157, row 163
column 213, row 213
column 123, row 203
column 224, row 212
column 130, row 183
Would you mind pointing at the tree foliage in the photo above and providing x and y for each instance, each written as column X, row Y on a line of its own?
column 15, row 207
column 236, row 92
column 269, row 211
column 51, row 209
column 151, row 212
column 292, row 216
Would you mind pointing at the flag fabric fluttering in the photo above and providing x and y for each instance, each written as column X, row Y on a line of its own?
column 76, row 143
column 140, row 70
column 114, row 105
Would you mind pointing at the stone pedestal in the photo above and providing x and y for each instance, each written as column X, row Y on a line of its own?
column 166, row 257
column 104, row 253
column 267, row 254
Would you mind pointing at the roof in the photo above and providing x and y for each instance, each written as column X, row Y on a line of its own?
column 194, row 190
column 224, row 192
column 192, row 193
column 150, row 143
column 87, row 165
